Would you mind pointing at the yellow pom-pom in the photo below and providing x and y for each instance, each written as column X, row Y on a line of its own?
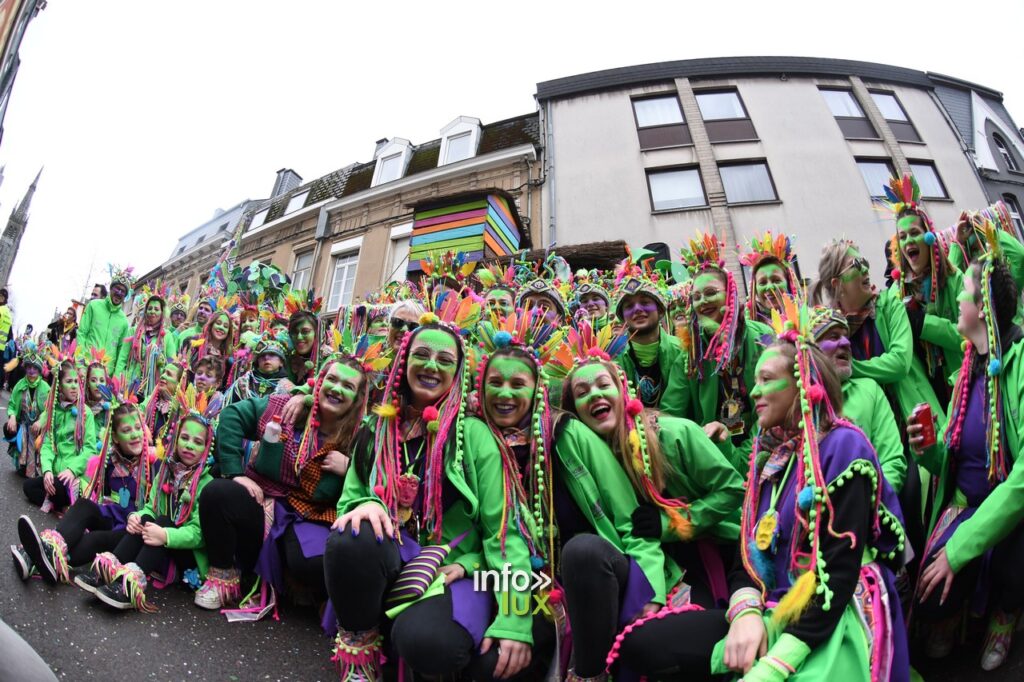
column 388, row 411
column 428, row 318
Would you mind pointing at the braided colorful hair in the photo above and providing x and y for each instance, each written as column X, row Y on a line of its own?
column 705, row 256
column 193, row 407
column 124, row 403
column 63, row 364
column 308, row 449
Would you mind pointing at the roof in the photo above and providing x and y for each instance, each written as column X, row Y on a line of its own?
column 718, row 67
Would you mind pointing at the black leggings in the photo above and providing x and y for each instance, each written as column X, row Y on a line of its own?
column 131, row 549
column 36, row 492
column 232, row 523
column 594, row 574
column 85, row 515
column 1005, row 581
column 308, row 572
column 677, row 646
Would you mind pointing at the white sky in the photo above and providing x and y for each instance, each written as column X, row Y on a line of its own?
column 148, row 116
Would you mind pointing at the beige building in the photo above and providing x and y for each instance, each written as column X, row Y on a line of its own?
column 654, row 153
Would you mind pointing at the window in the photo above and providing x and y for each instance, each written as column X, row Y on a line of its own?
column 748, row 182
column 928, row 180
column 303, row 270
column 1005, row 152
column 725, row 118
column 677, row 188
column 258, row 219
column 296, row 202
column 398, row 260
column 343, row 280
column 201, row 239
column 181, row 250
column 876, row 174
column 223, row 228
column 895, row 116
column 458, row 147
column 390, row 169
column 1013, row 208
column 848, row 114
column 720, row 106
column 657, row 111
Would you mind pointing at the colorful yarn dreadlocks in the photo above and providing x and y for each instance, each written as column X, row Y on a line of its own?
column 793, row 325
column 996, row 447
column 147, row 354
column 529, row 332
column 902, row 199
column 443, row 420
column 705, row 255
column 298, row 301
column 154, row 399
column 58, row 359
column 764, row 249
column 117, row 393
column 166, row 495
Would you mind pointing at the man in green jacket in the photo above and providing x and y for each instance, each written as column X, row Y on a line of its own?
column 652, row 353
column 104, row 324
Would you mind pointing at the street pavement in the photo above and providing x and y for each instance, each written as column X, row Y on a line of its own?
column 82, row 640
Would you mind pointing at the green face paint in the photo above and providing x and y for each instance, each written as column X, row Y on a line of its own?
column 708, row 297
column 343, row 381
column 191, row 442
column 965, row 297
column 129, row 430
column 305, row 335
column 589, row 375
column 434, row 350
column 69, row 387
column 510, row 379
column 500, row 301
column 154, row 310
column 771, row 279
column 769, row 387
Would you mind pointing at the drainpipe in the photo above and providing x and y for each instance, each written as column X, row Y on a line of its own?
column 320, row 235
column 549, row 162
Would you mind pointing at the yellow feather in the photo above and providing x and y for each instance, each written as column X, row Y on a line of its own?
column 387, row 411
column 796, row 600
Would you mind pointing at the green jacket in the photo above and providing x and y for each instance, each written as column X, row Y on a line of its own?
column 14, row 404
column 865, row 404
column 601, row 490
column 704, row 477
column 668, row 360
column 1003, row 509
column 691, row 398
column 1013, row 252
column 940, row 320
column 188, row 535
column 898, row 368
column 131, row 369
column 103, row 325
column 55, row 458
column 479, row 510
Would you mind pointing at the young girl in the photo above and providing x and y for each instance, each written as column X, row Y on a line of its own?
column 27, row 404
column 977, row 538
column 95, row 379
column 272, row 514
column 304, row 331
column 148, row 347
column 95, row 523
column 160, row 408
column 421, row 473
column 165, row 536
column 813, row 597
column 69, row 440
column 772, row 275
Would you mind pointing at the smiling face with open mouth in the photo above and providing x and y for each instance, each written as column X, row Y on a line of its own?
column 128, row 435
column 594, row 304
column 835, row 343
column 912, row 244
column 509, row 387
column 339, row 391
column 597, row 398
column 708, row 299
column 770, row 284
column 640, row 312
column 433, row 361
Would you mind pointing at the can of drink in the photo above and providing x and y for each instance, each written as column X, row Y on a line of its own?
column 922, row 415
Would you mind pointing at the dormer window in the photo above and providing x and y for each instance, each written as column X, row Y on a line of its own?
column 391, row 161
column 459, row 140
column 296, row 202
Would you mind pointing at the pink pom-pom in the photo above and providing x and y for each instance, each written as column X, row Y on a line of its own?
column 896, row 274
column 430, row 414
column 634, row 407
column 555, row 596
column 816, row 393
column 311, row 382
column 378, row 490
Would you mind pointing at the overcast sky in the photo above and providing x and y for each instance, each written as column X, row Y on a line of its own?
column 149, row 116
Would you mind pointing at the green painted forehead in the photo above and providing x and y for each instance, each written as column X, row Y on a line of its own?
column 706, row 279
column 768, row 355
column 194, row 429
column 436, row 339
column 508, row 366
column 343, row 371
column 907, row 222
column 769, row 268
column 589, row 372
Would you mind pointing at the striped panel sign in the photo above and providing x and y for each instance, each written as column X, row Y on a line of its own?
column 480, row 228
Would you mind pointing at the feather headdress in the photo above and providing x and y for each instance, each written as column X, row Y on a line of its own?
column 453, row 266
column 116, row 392
column 298, row 300
column 55, row 359
column 705, row 255
column 349, row 338
column 122, row 276
column 495, row 275
column 769, row 248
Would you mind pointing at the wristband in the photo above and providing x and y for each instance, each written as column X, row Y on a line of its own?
column 744, row 601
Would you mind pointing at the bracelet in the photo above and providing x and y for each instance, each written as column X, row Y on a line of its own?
column 780, row 665
column 742, row 608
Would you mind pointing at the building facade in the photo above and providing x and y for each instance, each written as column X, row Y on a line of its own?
column 654, row 153
column 14, row 18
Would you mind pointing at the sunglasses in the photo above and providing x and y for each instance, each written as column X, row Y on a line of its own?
column 860, row 264
column 399, row 324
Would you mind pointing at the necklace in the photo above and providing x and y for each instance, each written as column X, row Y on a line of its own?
column 767, row 530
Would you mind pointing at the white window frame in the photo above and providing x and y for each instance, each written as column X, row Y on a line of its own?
column 1011, row 163
column 342, row 249
column 398, row 232
column 665, row 96
column 296, row 202
column 399, row 146
column 666, row 171
column 849, row 94
column 259, row 218
column 723, row 172
column 879, row 191
column 460, row 126
column 295, row 265
column 930, row 165
column 1013, row 208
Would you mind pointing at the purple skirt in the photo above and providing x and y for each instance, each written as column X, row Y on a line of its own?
column 312, row 536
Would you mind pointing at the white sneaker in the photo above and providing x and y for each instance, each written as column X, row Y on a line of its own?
column 208, row 598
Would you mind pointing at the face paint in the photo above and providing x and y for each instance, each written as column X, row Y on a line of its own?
column 509, row 389
column 505, row 370
column 191, row 442
column 432, row 364
column 965, row 296
column 597, row 399
column 589, row 374
column 128, row 435
column 708, row 298
column 769, row 387
column 221, row 327
column 169, row 380
column 69, row 387
column 305, row 336
column 203, row 314
column 269, row 363
column 154, row 311
column 830, row 347
column 775, row 391
column 639, row 311
column 770, row 281
column 594, row 304
column 500, row 301
column 250, row 325
column 342, row 381
column 206, row 380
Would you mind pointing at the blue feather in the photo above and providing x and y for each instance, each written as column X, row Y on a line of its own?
column 762, row 564
column 890, row 195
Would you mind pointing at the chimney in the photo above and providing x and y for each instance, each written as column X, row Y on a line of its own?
column 217, row 213
column 287, row 180
column 381, row 143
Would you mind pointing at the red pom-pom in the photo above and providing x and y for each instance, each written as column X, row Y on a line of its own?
column 896, row 274
column 378, row 490
column 311, row 382
column 555, row 596
column 430, row 414
column 816, row 393
column 634, row 407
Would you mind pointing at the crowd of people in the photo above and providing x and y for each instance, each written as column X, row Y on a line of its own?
column 510, row 470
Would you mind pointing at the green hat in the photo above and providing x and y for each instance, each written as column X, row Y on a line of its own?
column 270, row 344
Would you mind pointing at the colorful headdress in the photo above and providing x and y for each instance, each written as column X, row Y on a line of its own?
column 541, row 287
column 122, row 276
column 56, row 357
column 450, row 266
column 195, row 406
column 632, row 278
column 768, row 248
column 29, row 356
column 115, row 393
column 497, row 276
column 269, row 343
column 902, row 199
column 179, row 303
column 349, row 338
column 589, row 282
column 393, row 292
column 997, row 451
column 822, row 318
column 300, row 301
column 705, row 255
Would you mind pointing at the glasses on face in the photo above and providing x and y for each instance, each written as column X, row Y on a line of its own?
column 860, row 264
column 399, row 324
column 698, row 297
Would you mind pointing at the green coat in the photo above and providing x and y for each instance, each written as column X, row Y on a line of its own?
column 104, row 325
column 56, row 457
column 898, row 368
column 479, row 510
column 704, row 477
column 865, row 404
column 691, row 398
column 18, row 395
column 188, row 535
column 668, row 360
column 602, row 491
column 131, row 369
column 1013, row 252
column 940, row 320
column 1003, row 509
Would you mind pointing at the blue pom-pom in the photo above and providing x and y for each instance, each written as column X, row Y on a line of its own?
column 99, row 445
column 502, row 339
column 536, row 563
column 762, row 564
column 805, row 498
column 994, row 367
column 106, row 405
column 929, row 238
column 74, row 411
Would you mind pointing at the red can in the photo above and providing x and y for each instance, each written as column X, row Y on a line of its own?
column 922, row 415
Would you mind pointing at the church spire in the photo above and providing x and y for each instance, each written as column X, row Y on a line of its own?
column 21, row 212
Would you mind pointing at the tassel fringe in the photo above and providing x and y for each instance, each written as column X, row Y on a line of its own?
column 358, row 655
column 134, row 581
column 106, row 566
column 60, row 554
